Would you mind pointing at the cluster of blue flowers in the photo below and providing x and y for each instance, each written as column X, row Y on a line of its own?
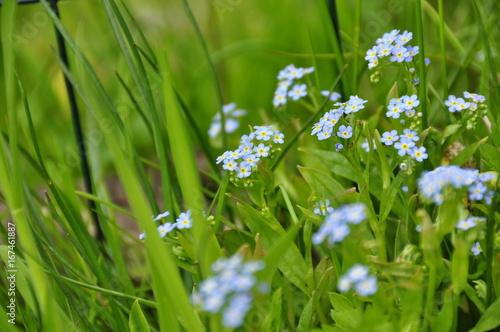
column 359, row 278
column 285, row 89
column 432, row 183
column 231, row 114
column 402, row 104
column 324, row 128
column 184, row 221
column 473, row 106
column 230, row 289
column 459, row 104
column 335, row 227
column 251, row 150
column 394, row 46
column 405, row 143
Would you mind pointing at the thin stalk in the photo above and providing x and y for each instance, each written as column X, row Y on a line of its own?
column 110, row 292
column 490, row 247
column 218, row 90
column 422, row 71
column 77, row 127
column 337, row 45
column 442, row 39
column 357, row 30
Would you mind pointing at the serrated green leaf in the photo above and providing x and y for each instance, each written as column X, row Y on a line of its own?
column 345, row 314
column 137, row 322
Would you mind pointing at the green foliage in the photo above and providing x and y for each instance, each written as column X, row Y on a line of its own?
column 150, row 76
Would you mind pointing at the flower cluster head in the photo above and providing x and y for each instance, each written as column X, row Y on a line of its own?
column 335, row 227
column 433, row 184
column 393, row 46
column 403, row 105
column 231, row 114
column 229, row 290
column 287, row 86
column 252, row 149
column 472, row 105
column 359, row 278
column 323, row 129
column 184, row 221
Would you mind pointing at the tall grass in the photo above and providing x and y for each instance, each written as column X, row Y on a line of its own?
column 149, row 90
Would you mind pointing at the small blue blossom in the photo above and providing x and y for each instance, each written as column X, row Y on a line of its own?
column 399, row 55
column 338, row 147
column 358, row 277
column 261, row 150
column 231, row 125
column 229, row 290
column 162, row 216
column 345, row 132
column 419, row 154
column 244, row 170
column 278, row 137
column 298, row 91
column 185, row 220
column 334, row 96
column 263, row 133
column 323, row 208
column 230, row 165
column 389, row 137
column 404, row 146
column 452, row 103
column 476, row 249
column 166, row 228
column 251, row 160
column 358, row 272
column 395, row 110
column 476, row 192
column 335, row 226
column 366, row 146
column 466, row 224
column 367, row 286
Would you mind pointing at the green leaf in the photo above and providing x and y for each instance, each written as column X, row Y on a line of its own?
column 444, row 320
column 465, row 155
column 321, row 183
column 495, row 135
column 451, row 129
column 307, row 314
column 460, row 265
column 336, row 161
column 291, row 263
column 137, row 322
column 491, row 156
column 345, row 314
column 490, row 319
